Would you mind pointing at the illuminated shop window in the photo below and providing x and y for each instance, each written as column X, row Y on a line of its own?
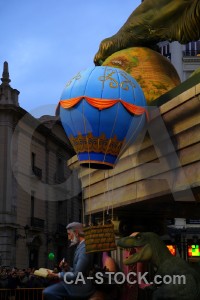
column 172, row 249
column 193, row 250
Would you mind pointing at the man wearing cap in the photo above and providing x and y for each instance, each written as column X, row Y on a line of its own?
column 74, row 283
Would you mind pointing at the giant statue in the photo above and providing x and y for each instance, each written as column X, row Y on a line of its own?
column 154, row 21
column 150, row 248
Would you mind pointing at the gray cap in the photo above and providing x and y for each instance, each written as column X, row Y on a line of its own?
column 76, row 225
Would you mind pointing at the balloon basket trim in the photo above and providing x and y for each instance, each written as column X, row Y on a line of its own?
column 102, row 160
column 100, row 238
column 101, row 144
column 96, row 164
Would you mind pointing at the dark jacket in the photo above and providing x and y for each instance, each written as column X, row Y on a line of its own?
column 82, row 264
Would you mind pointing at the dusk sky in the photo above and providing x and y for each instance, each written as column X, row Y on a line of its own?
column 46, row 43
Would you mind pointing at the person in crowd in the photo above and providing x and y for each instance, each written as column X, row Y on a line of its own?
column 73, row 280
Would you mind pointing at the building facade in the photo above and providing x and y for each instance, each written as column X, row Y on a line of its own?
column 185, row 58
column 39, row 194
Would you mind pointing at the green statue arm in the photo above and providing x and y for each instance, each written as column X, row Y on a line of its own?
column 154, row 21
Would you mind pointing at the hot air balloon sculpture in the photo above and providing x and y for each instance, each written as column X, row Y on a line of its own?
column 101, row 109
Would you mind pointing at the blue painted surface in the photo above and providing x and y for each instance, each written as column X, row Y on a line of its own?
column 113, row 123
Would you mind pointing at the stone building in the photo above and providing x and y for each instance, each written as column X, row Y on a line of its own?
column 185, row 58
column 39, row 194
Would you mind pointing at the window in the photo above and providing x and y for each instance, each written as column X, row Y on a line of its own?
column 32, row 160
column 192, row 48
column 32, row 203
column 37, row 171
column 60, row 169
column 198, row 47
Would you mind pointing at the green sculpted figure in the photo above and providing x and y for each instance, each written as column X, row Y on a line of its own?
column 182, row 281
column 154, row 21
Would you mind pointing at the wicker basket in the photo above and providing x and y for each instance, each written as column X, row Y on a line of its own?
column 100, row 238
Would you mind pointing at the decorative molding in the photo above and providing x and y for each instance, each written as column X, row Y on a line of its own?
column 101, row 144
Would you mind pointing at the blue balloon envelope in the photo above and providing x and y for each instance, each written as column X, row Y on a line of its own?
column 102, row 109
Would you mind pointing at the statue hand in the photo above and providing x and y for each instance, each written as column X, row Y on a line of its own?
column 106, row 48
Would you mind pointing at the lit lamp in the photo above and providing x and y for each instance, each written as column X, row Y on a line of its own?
column 193, row 251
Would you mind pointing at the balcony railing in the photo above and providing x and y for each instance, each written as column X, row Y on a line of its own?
column 37, row 223
column 37, row 172
column 22, row 294
column 191, row 53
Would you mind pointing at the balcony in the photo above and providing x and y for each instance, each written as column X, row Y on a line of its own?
column 37, row 223
column 37, row 172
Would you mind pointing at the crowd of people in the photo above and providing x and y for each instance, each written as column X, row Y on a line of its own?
column 60, row 283
column 12, row 278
